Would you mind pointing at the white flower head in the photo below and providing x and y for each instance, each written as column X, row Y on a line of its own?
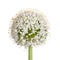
column 29, row 27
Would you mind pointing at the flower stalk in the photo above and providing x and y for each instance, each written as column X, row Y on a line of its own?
column 30, row 53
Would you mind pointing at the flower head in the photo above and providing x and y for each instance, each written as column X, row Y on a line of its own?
column 29, row 27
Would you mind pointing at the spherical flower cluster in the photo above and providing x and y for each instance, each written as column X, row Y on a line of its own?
column 29, row 27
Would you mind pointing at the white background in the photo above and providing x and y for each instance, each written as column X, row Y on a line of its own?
column 9, row 50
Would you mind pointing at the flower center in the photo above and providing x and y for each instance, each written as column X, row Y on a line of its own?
column 30, row 35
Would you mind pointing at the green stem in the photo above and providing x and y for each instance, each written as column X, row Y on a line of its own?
column 30, row 53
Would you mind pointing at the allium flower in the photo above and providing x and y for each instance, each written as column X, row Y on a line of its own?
column 29, row 28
